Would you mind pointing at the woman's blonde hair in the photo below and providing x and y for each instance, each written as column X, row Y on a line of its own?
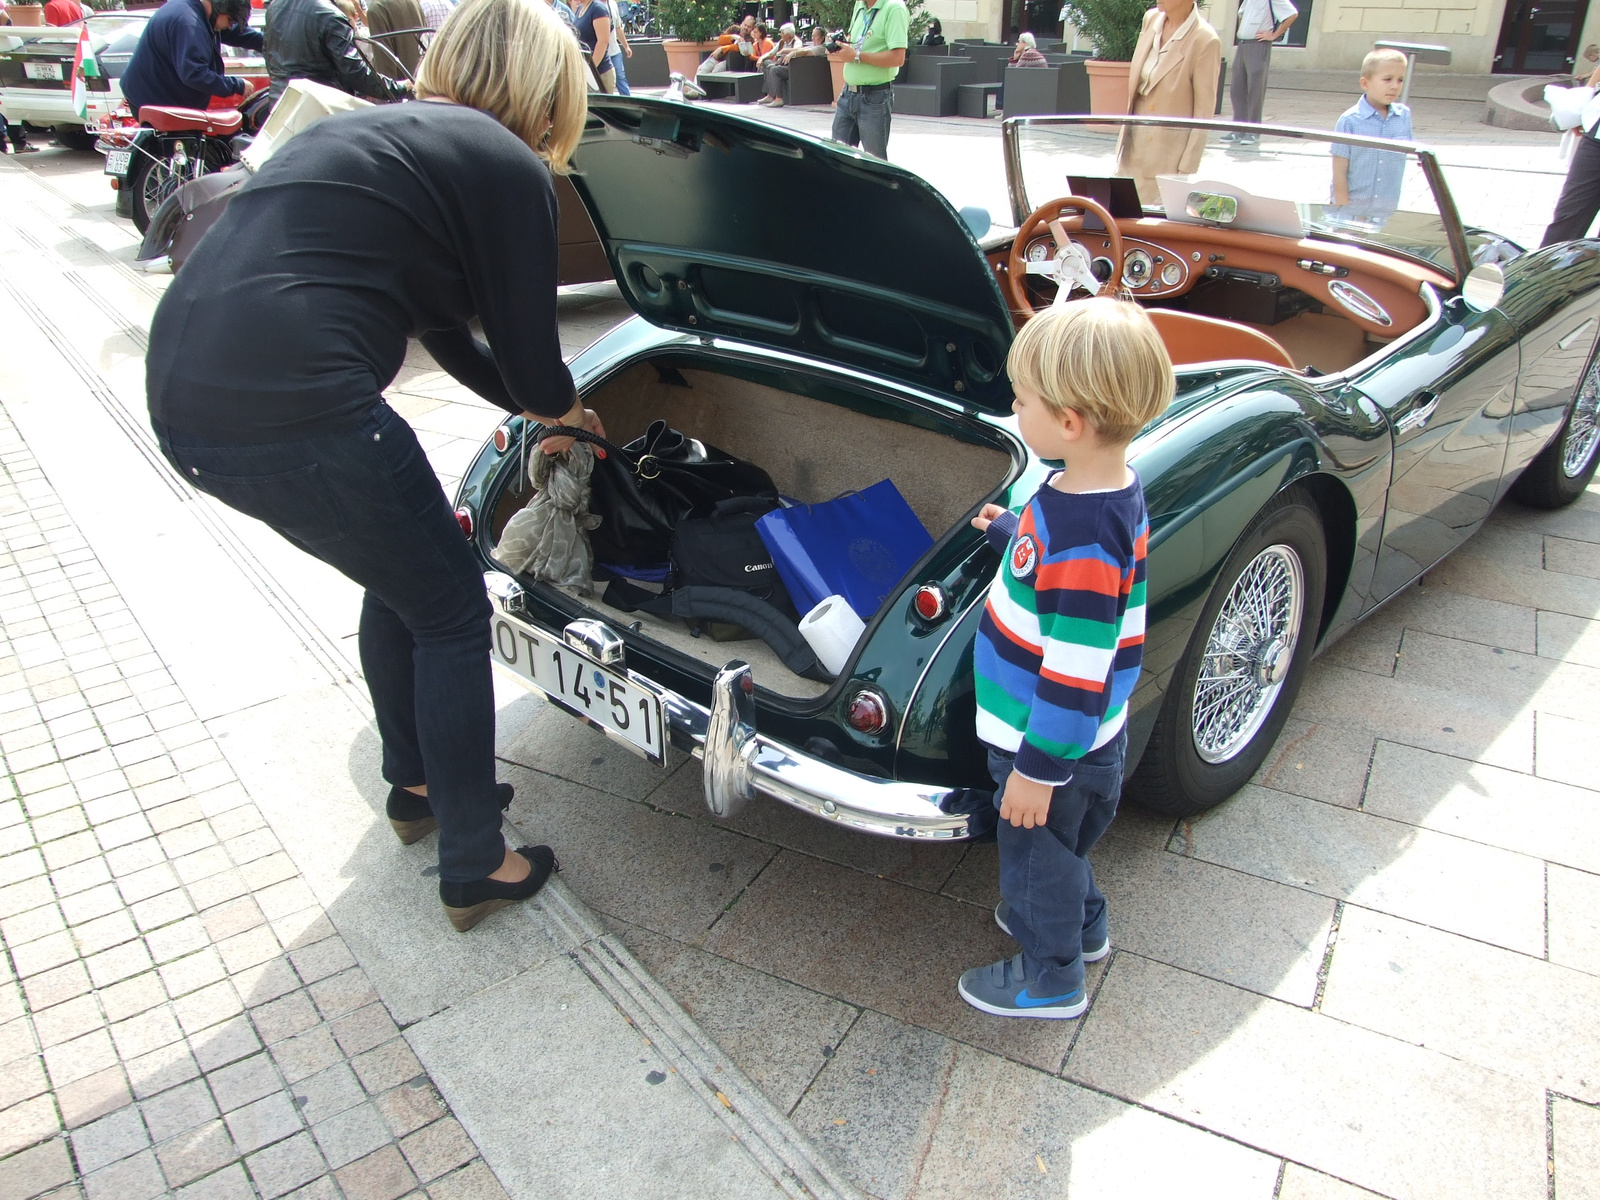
column 515, row 60
column 1100, row 357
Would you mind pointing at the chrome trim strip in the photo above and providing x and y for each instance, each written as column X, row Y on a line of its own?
column 739, row 762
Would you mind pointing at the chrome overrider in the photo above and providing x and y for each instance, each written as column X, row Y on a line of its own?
column 737, row 761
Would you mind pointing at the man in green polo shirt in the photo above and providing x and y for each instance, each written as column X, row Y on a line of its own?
column 877, row 39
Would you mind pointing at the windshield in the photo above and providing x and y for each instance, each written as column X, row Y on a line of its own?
column 1289, row 183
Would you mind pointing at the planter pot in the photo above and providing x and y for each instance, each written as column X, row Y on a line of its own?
column 26, row 14
column 685, row 57
column 836, row 64
column 1108, row 86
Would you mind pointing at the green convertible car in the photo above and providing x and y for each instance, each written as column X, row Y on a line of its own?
column 1358, row 386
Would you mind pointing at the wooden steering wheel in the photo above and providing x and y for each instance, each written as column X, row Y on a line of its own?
column 1050, row 215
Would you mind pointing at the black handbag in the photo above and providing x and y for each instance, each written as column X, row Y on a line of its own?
column 641, row 491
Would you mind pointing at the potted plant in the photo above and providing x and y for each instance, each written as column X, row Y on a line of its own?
column 691, row 28
column 25, row 12
column 1112, row 27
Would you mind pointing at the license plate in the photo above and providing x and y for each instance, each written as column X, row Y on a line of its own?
column 42, row 71
column 610, row 701
column 117, row 161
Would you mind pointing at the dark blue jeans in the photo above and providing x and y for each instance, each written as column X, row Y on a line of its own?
column 1044, row 872
column 862, row 119
column 366, row 502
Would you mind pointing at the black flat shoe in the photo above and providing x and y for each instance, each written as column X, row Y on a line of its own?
column 468, row 903
column 413, row 820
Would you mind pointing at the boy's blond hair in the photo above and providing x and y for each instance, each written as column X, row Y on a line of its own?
column 1377, row 58
column 1100, row 357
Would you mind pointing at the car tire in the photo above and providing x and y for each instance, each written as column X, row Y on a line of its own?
column 1563, row 469
column 1280, row 564
column 75, row 137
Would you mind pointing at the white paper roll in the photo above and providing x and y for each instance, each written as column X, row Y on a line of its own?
column 832, row 629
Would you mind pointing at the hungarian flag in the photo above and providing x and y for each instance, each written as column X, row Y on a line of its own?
column 84, row 68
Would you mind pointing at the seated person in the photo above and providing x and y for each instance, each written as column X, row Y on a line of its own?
column 1027, row 52
column 737, row 49
column 1366, row 182
column 178, row 61
column 934, row 36
column 316, row 40
column 775, row 63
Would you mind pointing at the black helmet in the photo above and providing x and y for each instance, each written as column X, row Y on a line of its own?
column 237, row 11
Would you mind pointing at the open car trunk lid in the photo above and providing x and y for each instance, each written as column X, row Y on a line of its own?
column 719, row 224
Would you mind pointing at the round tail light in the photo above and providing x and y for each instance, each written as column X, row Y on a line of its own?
column 867, row 712
column 930, row 602
column 502, row 439
column 464, row 519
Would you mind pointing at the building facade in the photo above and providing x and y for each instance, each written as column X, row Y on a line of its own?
column 1533, row 37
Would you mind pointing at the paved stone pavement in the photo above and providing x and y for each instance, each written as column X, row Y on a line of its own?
column 1358, row 977
column 177, row 1014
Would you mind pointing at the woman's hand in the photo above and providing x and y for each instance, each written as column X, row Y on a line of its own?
column 988, row 513
column 582, row 418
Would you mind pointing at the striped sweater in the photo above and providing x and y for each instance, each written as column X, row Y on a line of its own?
column 1062, row 633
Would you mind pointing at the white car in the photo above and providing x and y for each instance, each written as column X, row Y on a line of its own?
column 36, row 72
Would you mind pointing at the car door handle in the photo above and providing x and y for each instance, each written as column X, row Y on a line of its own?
column 1425, row 405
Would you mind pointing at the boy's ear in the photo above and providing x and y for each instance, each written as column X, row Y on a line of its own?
column 1073, row 424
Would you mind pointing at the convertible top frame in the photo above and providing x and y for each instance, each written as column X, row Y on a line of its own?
column 1449, row 216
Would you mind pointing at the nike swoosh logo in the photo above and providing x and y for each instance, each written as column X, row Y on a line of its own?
column 1027, row 1001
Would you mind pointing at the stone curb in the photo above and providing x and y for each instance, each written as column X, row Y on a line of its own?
column 755, row 1122
column 1519, row 104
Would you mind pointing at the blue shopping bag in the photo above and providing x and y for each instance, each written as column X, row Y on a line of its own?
column 858, row 546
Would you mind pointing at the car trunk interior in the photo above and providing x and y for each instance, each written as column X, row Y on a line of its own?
column 817, row 441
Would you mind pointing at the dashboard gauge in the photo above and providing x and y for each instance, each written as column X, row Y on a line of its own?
column 1172, row 274
column 1136, row 268
column 1039, row 252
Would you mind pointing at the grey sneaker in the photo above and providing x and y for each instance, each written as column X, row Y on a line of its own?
column 1003, row 989
column 1002, row 917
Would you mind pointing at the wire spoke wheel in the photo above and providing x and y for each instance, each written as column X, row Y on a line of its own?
column 1583, row 427
column 159, row 182
column 1248, row 654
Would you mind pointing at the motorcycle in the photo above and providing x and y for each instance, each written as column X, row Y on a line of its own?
column 149, row 157
column 196, row 204
column 148, row 160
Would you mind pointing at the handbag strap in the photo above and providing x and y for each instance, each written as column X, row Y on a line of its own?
column 578, row 434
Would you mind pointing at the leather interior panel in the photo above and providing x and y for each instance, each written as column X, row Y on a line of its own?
column 1196, row 339
column 1330, row 344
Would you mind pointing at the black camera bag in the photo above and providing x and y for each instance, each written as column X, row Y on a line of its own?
column 724, row 550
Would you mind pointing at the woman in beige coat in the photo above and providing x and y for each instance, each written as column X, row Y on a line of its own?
column 1173, row 74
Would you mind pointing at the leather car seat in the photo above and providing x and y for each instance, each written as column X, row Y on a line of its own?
column 220, row 122
column 1195, row 339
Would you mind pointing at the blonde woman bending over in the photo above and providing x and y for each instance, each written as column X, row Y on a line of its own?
column 369, row 228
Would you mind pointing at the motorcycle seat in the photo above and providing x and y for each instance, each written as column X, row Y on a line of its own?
column 217, row 122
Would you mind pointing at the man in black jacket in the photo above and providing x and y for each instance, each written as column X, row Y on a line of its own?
column 178, row 61
column 311, row 39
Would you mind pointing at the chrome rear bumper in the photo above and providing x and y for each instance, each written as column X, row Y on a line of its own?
column 738, row 762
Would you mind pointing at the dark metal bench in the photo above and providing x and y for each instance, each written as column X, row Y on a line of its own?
column 972, row 99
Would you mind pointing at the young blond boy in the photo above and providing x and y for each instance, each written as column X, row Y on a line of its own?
column 1366, row 182
column 1061, row 640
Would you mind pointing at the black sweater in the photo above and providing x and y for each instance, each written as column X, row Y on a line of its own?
column 291, row 316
